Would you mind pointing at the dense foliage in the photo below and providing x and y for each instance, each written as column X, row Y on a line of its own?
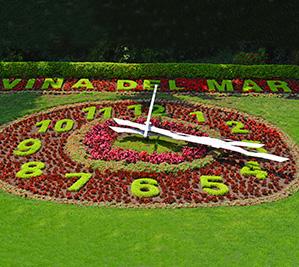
column 127, row 71
column 150, row 31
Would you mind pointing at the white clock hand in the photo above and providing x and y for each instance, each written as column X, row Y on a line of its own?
column 129, row 130
column 214, row 142
column 148, row 121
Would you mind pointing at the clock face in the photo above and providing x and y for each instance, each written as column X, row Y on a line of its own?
column 70, row 154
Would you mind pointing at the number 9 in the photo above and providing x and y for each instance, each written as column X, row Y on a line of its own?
column 28, row 147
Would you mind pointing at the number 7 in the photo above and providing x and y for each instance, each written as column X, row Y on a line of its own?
column 83, row 179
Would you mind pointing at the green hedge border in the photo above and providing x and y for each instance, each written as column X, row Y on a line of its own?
column 146, row 70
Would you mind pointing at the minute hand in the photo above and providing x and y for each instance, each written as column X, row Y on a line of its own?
column 148, row 120
column 213, row 142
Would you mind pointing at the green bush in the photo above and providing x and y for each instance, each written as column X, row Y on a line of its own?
column 145, row 70
column 210, row 183
column 28, row 147
column 260, row 57
column 252, row 168
column 145, row 187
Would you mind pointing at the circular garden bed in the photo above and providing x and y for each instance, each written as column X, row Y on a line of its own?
column 70, row 154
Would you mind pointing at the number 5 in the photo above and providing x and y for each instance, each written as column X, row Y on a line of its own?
column 209, row 183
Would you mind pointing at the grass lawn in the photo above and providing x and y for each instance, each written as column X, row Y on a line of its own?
column 37, row 233
column 158, row 144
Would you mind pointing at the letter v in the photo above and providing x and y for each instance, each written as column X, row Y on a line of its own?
column 10, row 85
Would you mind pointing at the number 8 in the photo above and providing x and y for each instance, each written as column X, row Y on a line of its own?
column 31, row 169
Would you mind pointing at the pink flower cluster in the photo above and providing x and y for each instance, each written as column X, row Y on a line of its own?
column 99, row 142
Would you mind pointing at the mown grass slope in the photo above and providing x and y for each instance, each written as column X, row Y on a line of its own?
column 37, row 233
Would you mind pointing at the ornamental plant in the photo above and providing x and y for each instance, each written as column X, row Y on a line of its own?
column 51, row 170
column 245, row 58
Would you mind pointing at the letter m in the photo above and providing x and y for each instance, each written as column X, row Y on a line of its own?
column 225, row 86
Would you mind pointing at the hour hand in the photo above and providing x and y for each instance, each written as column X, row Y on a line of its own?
column 128, row 130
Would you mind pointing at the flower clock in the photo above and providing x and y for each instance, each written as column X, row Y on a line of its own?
column 145, row 153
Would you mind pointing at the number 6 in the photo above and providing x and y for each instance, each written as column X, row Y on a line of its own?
column 145, row 187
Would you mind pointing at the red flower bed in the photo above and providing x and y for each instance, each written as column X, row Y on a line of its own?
column 111, row 186
column 168, row 85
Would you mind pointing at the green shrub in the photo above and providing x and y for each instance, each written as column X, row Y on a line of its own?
column 260, row 57
column 144, row 70
column 83, row 179
column 28, row 147
column 213, row 185
column 252, row 168
column 145, row 187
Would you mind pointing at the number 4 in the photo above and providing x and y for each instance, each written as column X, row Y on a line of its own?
column 209, row 183
column 83, row 179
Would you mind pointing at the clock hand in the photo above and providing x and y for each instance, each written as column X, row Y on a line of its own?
column 217, row 143
column 129, row 130
column 147, row 124
column 245, row 144
column 171, row 134
column 231, row 142
column 214, row 142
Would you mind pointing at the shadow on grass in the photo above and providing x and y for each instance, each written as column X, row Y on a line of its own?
column 166, row 96
column 15, row 105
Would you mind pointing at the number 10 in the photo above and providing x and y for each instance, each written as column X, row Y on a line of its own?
column 61, row 126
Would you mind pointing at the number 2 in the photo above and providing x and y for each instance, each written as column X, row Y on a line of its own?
column 238, row 129
column 158, row 110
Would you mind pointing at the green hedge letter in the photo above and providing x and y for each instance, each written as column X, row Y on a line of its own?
column 149, row 84
column 10, row 85
column 30, row 83
column 251, row 85
column 172, row 85
column 54, row 84
column 275, row 85
column 225, row 86
column 85, row 83
column 126, row 84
